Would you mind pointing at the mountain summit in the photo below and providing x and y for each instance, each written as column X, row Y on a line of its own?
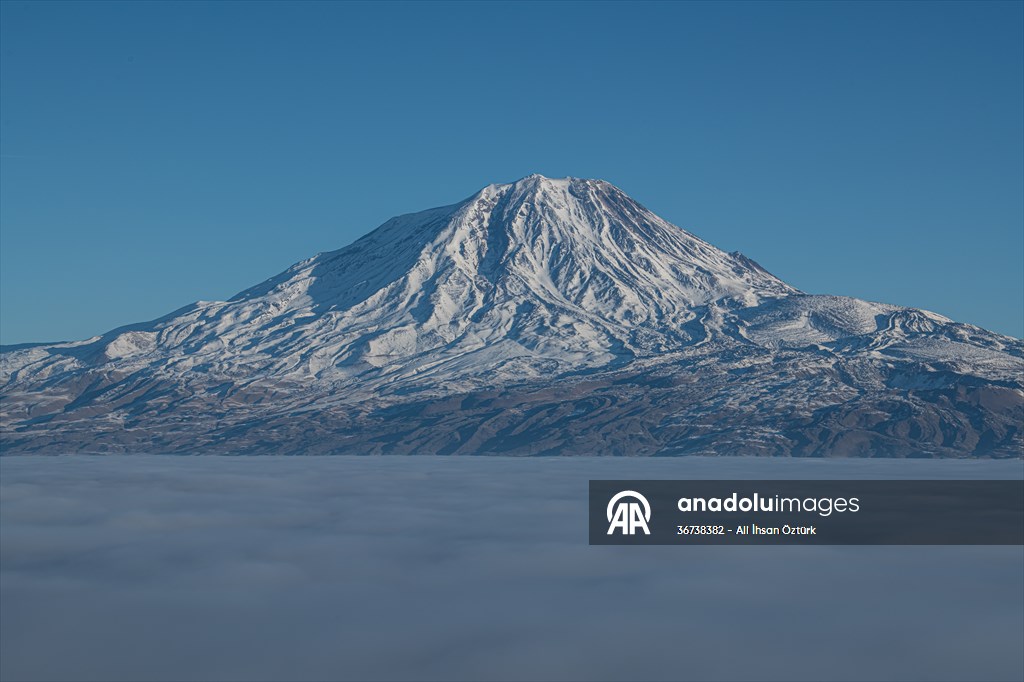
column 545, row 316
column 534, row 273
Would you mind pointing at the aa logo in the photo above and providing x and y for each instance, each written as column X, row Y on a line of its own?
column 627, row 514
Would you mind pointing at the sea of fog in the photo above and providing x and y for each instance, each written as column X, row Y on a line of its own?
column 211, row 568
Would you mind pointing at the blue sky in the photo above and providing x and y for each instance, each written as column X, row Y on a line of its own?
column 156, row 154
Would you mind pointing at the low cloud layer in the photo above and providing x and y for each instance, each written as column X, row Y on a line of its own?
column 164, row 568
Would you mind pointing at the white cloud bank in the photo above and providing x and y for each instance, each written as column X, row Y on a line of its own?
column 161, row 568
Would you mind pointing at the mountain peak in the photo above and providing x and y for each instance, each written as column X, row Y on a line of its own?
column 555, row 268
column 531, row 186
column 537, row 178
column 536, row 182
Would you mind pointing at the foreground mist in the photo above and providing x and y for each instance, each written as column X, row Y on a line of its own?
column 165, row 568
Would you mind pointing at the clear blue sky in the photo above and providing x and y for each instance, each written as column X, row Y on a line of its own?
column 156, row 154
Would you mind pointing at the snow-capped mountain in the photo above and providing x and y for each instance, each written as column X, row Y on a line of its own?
column 539, row 317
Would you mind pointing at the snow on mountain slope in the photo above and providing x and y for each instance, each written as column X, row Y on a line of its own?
column 522, row 287
column 571, row 271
